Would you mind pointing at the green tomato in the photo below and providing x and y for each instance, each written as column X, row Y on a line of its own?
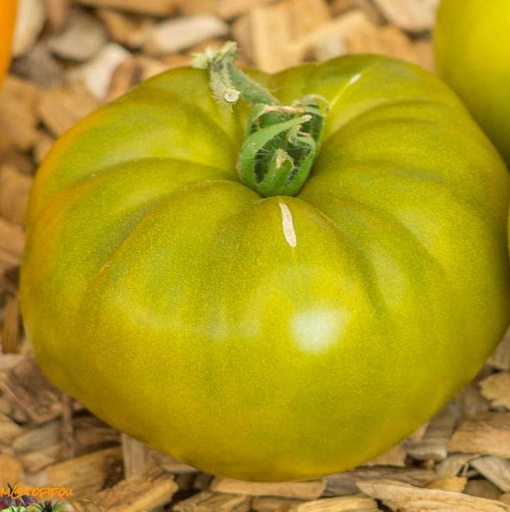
column 269, row 338
column 472, row 45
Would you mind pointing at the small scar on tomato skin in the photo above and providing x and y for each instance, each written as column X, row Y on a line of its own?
column 288, row 225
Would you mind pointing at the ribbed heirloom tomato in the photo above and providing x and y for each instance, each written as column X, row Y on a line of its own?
column 472, row 45
column 268, row 336
column 7, row 17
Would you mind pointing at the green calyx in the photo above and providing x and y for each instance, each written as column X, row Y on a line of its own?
column 282, row 141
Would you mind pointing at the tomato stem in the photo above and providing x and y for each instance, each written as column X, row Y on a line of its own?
column 282, row 140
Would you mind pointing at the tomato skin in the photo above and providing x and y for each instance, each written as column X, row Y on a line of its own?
column 7, row 20
column 472, row 44
column 279, row 338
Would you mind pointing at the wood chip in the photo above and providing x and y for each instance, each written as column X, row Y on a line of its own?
column 170, row 464
column 495, row 470
column 85, row 475
column 410, row 15
column 10, row 470
column 500, row 358
column 10, row 334
column 269, row 33
column 30, row 21
column 272, row 504
column 40, row 66
column 345, row 483
column 302, row 490
column 145, row 491
column 83, row 37
column 496, row 388
column 18, row 119
column 482, row 489
column 407, row 498
column 32, row 391
column 342, row 504
column 454, row 465
column 395, row 456
column 226, row 9
column 8, row 429
column 12, row 241
column 61, row 107
column 128, row 30
column 434, row 443
column 355, row 33
column 454, row 484
column 486, row 434
column 14, row 188
column 175, row 35
column 135, row 455
column 97, row 73
column 208, row 501
column 154, row 7
column 57, row 14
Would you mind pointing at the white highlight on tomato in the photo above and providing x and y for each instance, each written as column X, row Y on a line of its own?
column 288, row 225
column 318, row 329
column 354, row 79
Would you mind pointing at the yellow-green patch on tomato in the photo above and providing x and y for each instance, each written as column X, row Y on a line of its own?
column 472, row 45
column 281, row 337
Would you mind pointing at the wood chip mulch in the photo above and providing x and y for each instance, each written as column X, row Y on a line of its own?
column 71, row 57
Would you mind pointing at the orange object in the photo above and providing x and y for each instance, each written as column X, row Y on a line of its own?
column 7, row 17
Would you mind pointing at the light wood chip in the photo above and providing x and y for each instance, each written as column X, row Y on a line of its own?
column 496, row 388
column 30, row 21
column 301, row 490
column 272, row 504
column 12, row 240
column 341, row 484
column 406, row 498
column 82, row 38
column 495, row 470
column 145, row 491
column 135, row 455
column 97, row 73
column 434, row 443
column 500, row 358
column 410, row 15
column 487, row 434
column 341, row 504
column 269, row 34
column 505, row 498
column 355, row 33
column 8, row 429
column 454, row 465
column 170, row 464
column 153, row 7
column 178, row 34
column 85, row 475
column 395, row 456
column 207, row 501
column 227, row 9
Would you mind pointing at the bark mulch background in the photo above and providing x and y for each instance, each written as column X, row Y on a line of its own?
column 71, row 57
